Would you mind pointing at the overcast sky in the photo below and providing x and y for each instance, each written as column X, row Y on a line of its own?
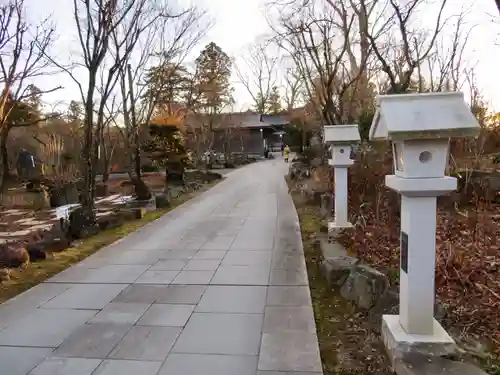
column 240, row 22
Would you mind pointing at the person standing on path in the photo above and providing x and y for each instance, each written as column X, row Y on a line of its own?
column 286, row 153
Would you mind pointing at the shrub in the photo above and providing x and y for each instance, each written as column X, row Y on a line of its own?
column 150, row 168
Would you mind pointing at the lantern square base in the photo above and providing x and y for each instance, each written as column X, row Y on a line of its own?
column 397, row 341
column 335, row 226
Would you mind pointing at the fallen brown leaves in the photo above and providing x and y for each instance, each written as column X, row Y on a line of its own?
column 467, row 250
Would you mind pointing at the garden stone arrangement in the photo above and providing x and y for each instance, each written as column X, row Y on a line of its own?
column 218, row 286
column 28, row 235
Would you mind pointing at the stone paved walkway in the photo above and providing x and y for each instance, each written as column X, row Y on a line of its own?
column 217, row 287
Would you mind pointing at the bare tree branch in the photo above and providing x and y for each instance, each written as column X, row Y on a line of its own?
column 22, row 58
column 258, row 74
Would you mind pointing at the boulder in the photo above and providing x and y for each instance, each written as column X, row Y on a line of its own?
column 101, row 190
column 5, row 274
column 316, row 162
column 89, row 232
column 138, row 212
column 82, row 223
column 132, row 213
column 200, row 176
column 57, row 238
column 148, row 204
column 34, row 186
column 194, row 186
column 56, row 245
column 337, row 270
column 13, row 255
column 38, row 251
column 110, row 221
column 174, row 191
column 331, row 248
column 298, row 169
column 62, row 195
column 141, row 190
column 388, row 304
column 41, row 199
column 337, row 264
column 364, row 285
column 162, row 201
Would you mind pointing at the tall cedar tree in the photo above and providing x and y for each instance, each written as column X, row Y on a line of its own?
column 212, row 81
column 270, row 105
column 168, row 83
column 273, row 104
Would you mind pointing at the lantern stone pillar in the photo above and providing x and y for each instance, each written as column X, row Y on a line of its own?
column 420, row 127
column 340, row 138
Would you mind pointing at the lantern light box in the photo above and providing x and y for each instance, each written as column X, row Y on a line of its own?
column 420, row 126
column 340, row 138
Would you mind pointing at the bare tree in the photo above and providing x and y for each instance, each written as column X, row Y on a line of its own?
column 22, row 51
column 258, row 74
column 106, row 143
column 108, row 31
column 294, row 85
column 318, row 44
column 446, row 67
column 397, row 38
column 165, row 45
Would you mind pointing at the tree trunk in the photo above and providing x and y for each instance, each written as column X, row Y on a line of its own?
column 105, row 170
column 137, row 160
column 4, row 156
column 86, row 197
column 141, row 190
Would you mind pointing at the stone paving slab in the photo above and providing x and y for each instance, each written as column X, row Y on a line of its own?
column 218, row 287
column 167, row 315
column 66, row 366
column 94, row 340
column 19, row 360
column 85, row 296
column 177, row 364
column 289, row 351
column 221, row 333
column 233, row 299
column 44, row 328
column 121, row 367
column 146, row 343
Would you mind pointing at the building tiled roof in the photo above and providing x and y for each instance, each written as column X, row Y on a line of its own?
column 244, row 120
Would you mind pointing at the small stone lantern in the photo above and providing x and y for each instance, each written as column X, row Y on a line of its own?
column 340, row 138
column 420, row 127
